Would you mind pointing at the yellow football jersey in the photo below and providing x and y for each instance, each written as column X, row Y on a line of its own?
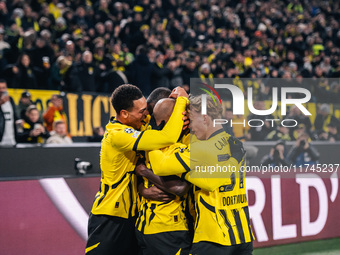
column 221, row 206
column 158, row 217
column 117, row 195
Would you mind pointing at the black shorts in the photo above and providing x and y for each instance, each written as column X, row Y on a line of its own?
column 110, row 235
column 167, row 243
column 203, row 248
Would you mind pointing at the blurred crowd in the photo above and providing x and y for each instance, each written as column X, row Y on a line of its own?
column 86, row 45
column 97, row 45
column 25, row 123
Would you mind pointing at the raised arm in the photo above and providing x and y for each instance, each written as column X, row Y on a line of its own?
column 129, row 139
column 179, row 162
column 175, row 163
column 211, row 184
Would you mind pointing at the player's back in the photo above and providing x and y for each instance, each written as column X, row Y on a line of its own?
column 117, row 193
column 225, row 210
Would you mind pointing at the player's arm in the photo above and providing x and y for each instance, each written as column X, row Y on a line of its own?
column 175, row 163
column 179, row 162
column 129, row 139
column 171, row 184
column 154, row 193
column 210, row 184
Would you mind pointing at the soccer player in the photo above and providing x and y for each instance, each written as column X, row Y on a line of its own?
column 162, row 228
column 112, row 219
column 222, row 218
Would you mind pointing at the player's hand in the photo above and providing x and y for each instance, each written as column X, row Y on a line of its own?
column 154, row 193
column 236, row 148
column 178, row 92
column 186, row 120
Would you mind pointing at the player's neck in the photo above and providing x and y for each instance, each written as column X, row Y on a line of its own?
column 121, row 120
column 211, row 130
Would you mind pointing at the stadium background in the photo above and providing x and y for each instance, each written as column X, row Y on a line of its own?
column 47, row 203
column 48, row 215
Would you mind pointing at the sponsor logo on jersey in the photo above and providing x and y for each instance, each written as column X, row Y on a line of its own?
column 128, row 130
column 135, row 134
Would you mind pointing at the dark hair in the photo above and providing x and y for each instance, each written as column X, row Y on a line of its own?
column 58, row 96
column 122, row 97
column 140, row 50
column 158, row 94
column 3, row 81
column 21, row 56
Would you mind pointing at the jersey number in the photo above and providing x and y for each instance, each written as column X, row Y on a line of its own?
column 231, row 186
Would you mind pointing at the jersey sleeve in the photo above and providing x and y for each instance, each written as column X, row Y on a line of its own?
column 130, row 139
column 179, row 162
column 175, row 163
column 210, row 184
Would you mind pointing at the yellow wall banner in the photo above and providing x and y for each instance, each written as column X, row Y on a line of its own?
column 84, row 111
column 87, row 110
column 41, row 98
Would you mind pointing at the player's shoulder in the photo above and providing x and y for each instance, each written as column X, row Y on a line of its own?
column 221, row 134
column 217, row 143
column 116, row 126
column 116, row 129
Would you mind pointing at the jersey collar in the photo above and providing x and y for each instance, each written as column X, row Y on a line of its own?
column 113, row 120
column 216, row 133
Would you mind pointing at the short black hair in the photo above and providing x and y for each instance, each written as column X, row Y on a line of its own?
column 158, row 94
column 122, row 97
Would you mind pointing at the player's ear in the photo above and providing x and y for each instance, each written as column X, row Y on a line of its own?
column 205, row 119
column 124, row 114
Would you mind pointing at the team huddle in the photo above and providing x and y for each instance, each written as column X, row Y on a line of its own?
column 151, row 200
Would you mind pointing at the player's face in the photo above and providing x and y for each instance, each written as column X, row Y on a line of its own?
column 138, row 113
column 197, row 125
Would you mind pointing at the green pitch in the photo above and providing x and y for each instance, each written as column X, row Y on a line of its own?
column 320, row 247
